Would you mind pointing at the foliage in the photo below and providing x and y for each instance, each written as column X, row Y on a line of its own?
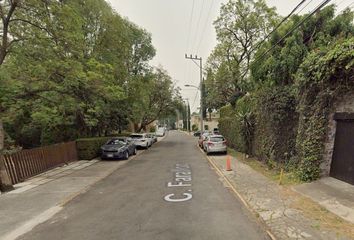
column 275, row 134
column 280, row 66
column 322, row 78
column 89, row 148
column 240, row 27
column 293, row 88
column 237, row 125
column 77, row 69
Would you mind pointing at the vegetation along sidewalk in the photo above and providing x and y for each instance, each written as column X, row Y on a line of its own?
column 287, row 214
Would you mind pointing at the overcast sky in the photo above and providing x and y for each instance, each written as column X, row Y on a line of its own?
column 175, row 32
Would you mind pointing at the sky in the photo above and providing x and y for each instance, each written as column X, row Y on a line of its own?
column 180, row 27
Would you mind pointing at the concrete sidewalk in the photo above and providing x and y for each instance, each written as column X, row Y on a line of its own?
column 39, row 198
column 334, row 195
column 286, row 213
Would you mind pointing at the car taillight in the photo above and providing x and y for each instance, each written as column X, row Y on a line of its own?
column 225, row 142
column 210, row 144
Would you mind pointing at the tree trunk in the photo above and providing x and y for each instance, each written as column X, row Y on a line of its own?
column 5, row 182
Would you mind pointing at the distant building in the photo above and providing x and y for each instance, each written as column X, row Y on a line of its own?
column 210, row 122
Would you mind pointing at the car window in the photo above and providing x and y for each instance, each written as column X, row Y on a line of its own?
column 114, row 142
column 136, row 136
column 217, row 139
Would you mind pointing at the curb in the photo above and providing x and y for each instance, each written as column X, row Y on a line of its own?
column 238, row 195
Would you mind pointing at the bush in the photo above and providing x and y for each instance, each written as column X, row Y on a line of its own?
column 89, row 148
column 237, row 125
column 194, row 128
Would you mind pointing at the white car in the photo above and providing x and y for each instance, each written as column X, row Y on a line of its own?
column 141, row 140
column 214, row 144
column 160, row 132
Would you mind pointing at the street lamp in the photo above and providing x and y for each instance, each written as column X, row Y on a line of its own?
column 201, row 104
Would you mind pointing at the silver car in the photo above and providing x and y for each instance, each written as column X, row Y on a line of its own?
column 215, row 144
column 141, row 140
column 153, row 137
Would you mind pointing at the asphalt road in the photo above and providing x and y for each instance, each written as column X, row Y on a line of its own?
column 136, row 202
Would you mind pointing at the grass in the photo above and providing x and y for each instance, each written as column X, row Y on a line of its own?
column 312, row 210
column 324, row 219
column 288, row 178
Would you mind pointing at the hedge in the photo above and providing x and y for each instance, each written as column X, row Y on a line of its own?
column 276, row 124
column 263, row 124
column 237, row 124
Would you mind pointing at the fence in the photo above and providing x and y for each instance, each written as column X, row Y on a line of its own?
column 28, row 163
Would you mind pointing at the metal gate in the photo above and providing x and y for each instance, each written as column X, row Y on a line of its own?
column 342, row 166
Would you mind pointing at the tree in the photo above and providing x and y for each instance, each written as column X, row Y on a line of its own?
column 241, row 26
column 156, row 98
column 7, row 9
column 280, row 65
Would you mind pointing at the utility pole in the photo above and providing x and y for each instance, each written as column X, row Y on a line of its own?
column 200, row 87
column 188, row 115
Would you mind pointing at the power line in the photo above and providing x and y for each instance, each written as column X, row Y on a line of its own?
column 188, row 68
column 304, row 7
column 205, row 24
column 347, row 7
column 200, row 16
column 341, row 2
column 195, row 98
column 281, row 22
column 190, row 25
column 319, row 7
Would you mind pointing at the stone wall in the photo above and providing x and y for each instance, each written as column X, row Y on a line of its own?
column 343, row 104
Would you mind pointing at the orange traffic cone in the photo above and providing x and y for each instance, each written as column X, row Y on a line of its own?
column 228, row 163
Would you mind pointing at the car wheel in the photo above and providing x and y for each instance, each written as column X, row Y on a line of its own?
column 126, row 155
column 135, row 151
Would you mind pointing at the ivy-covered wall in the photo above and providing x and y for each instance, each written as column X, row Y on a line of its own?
column 276, row 124
column 289, row 124
column 323, row 77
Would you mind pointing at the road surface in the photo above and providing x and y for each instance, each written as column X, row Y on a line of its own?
column 168, row 192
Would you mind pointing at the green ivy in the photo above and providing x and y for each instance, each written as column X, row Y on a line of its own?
column 324, row 76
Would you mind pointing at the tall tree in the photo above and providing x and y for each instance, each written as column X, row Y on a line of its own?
column 240, row 27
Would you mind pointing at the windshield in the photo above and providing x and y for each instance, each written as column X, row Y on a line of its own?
column 136, row 136
column 115, row 142
column 217, row 139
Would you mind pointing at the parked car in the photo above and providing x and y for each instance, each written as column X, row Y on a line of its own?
column 160, row 132
column 129, row 143
column 202, row 139
column 141, row 140
column 117, row 149
column 214, row 144
column 153, row 137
